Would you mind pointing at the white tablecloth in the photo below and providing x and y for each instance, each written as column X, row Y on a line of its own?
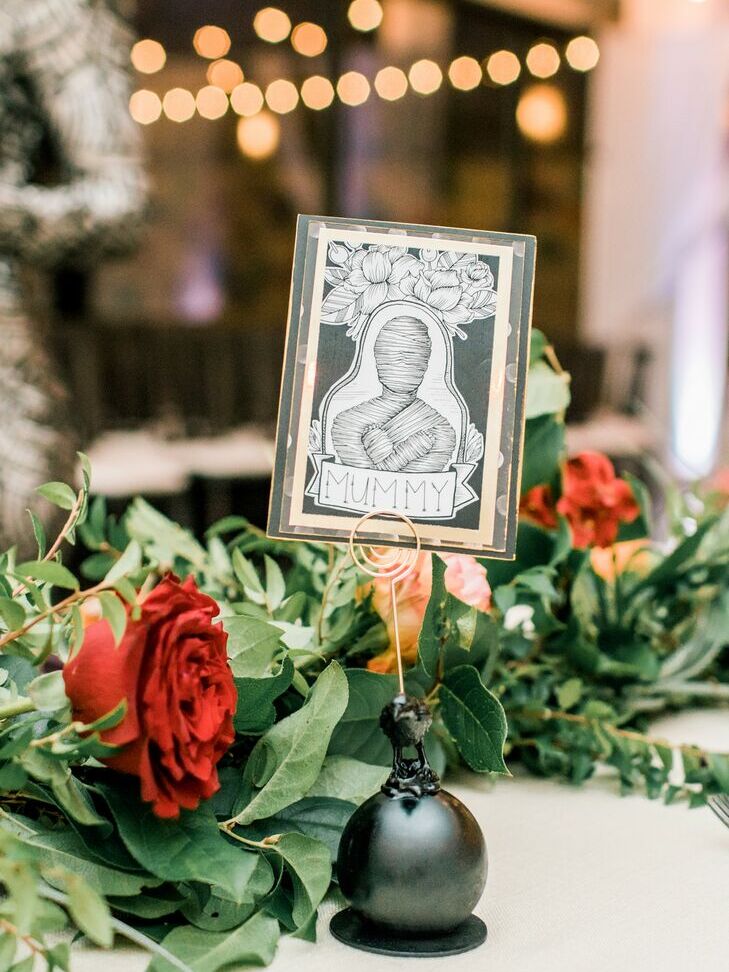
column 580, row 880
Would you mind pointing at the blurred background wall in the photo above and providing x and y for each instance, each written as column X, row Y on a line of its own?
column 600, row 127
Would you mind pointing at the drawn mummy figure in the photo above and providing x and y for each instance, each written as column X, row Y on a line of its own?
column 396, row 431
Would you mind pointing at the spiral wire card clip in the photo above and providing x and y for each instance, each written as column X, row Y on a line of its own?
column 388, row 563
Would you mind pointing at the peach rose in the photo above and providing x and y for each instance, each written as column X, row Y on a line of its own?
column 632, row 555
column 465, row 579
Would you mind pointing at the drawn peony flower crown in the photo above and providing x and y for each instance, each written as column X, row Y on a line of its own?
column 457, row 286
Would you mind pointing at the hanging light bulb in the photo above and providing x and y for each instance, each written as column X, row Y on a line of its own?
column 425, row 76
column 465, row 73
column 353, row 88
column 258, row 137
column 542, row 113
column 211, row 42
column 503, row 67
column 309, row 39
column 225, row 74
column 246, row 99
column 543, row 60
column 148, row 56
column 282, row 96
column 211, row 102
column 365, row 15
column 317, row 92
column 179, row 104
column 272, row 25
column 582, row 53
column 145, row 107
column 391, row 83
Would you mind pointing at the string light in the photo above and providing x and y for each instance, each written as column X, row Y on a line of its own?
column 317, row 92
column 211, row 42
column 465, row 73
column 365, row 15
column 145, row 107
column 272, row 25
column 282, row 96
column 391, row 83
column 425, row 76
column 179, row 104
column 503, row 67
column 542, row 113
column 353, row 88
column 225, row 74
column 309, row 39
column 258, row 137
column 543, row 60
column 148, row 56
column 246, row 99
column 211, row 102
column 582, row 53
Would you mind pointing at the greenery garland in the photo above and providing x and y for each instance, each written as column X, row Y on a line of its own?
column 563, row 674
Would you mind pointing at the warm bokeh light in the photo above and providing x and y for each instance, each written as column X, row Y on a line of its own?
column 211, row 102
column 353, row 88
column 365, row 14
column 425, row 76
column 391, row 83
column 225, row 74
column 148, row 56
column 317, row 92
column 258, row 137
column 179, row 104
column 308, row 39
column 282, row 96
column 145, row 107
column 465, row 73
column 246, row 99
column 211, row 42
column 272, row 25
column 582, row 53
column 542, row 113
column 503, row 67
column 543, row 60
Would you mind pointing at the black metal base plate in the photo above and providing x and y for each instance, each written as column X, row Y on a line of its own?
column 348, row 927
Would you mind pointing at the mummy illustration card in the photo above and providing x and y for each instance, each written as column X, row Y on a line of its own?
column 403, row 385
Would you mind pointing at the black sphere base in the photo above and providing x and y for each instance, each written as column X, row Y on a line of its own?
column 348, row 927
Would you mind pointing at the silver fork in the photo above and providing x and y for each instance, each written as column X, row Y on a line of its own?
column 720, row 805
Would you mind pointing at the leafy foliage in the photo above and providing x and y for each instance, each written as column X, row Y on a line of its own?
column 563, row 674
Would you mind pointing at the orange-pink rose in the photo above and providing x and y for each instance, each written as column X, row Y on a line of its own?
column 465, row 579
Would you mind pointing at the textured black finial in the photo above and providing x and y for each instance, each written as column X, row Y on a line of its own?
column 405, row 721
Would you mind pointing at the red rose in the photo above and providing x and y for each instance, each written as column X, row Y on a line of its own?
column 172, row 668
column 538, row 505
column 594, row 501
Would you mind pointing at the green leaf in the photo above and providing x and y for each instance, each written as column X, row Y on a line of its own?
column 253, row 943
column 50, row 571
column 348, row 779
column 309, row 865
column 255, row 712
column 39, row 533
column 569, row 693
column 319, row 817
column 64, row 849
column 548, row 392
column 358, row 732
column 475, row 719
column 431, row 633
column 286, row 761
column 114, row 612
column 12, row 613
column 666, row 570
column 188, row 849
column 89, row 911
column 129, row 562
column 252, row 645
column 275, row 583
column 537, row 345
column 249, row 579
column 543, row 449
column 60, row 494
column 48, row 692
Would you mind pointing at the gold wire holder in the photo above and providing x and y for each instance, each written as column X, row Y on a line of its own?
column 391, row 563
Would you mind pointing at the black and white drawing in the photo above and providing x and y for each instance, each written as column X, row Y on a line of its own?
column 403, row 385
column 395, row 430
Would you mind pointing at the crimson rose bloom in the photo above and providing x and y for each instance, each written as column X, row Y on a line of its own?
column 594, row 501
column 172, row 668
